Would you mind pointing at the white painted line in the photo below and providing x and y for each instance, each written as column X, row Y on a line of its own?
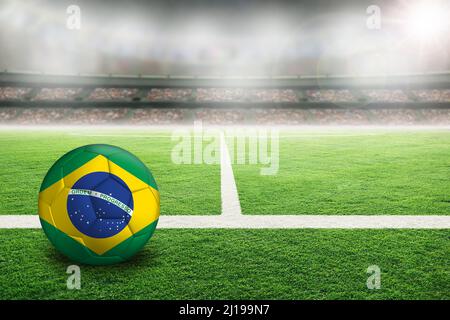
column 231, row 206
column 269, row 222
column 305, row 221
column 19, row 221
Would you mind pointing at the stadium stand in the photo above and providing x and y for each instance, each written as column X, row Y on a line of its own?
column 164, row 116
column 229, row 95
column 167, row 101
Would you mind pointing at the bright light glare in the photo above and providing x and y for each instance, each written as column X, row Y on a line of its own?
column 427, row 20
column 198, row 35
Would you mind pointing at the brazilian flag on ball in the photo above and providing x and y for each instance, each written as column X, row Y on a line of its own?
column 99, row 204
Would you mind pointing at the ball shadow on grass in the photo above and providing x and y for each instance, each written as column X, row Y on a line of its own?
column 148, row 256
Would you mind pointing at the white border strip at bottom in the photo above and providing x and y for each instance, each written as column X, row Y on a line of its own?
column 270, row 222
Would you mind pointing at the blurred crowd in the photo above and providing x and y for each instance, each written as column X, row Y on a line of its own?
column 353, row 116
column 379, row 95
column 13, row 93
column 206, row 97
column 179, row 95
column 430, row 95
column 56, row 94
column 330, row 96
column 112, row 94
column 225, row 116
column 238, row 95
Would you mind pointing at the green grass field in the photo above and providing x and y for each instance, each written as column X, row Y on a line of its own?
column 26, row 157
column 329, row 172
column 346, row 172
column 341, row 172
column 239, row 264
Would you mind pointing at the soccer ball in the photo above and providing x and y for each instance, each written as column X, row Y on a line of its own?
column 99, row 204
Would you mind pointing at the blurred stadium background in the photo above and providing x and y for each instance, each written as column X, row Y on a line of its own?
column 269, row 62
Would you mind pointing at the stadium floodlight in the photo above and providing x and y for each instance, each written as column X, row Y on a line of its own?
column 428, row 19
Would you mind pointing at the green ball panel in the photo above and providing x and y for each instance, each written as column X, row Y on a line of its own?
column 134, row 166
column 78, row 157
column 104, row 149
column 69, row 162
column 77, row 252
